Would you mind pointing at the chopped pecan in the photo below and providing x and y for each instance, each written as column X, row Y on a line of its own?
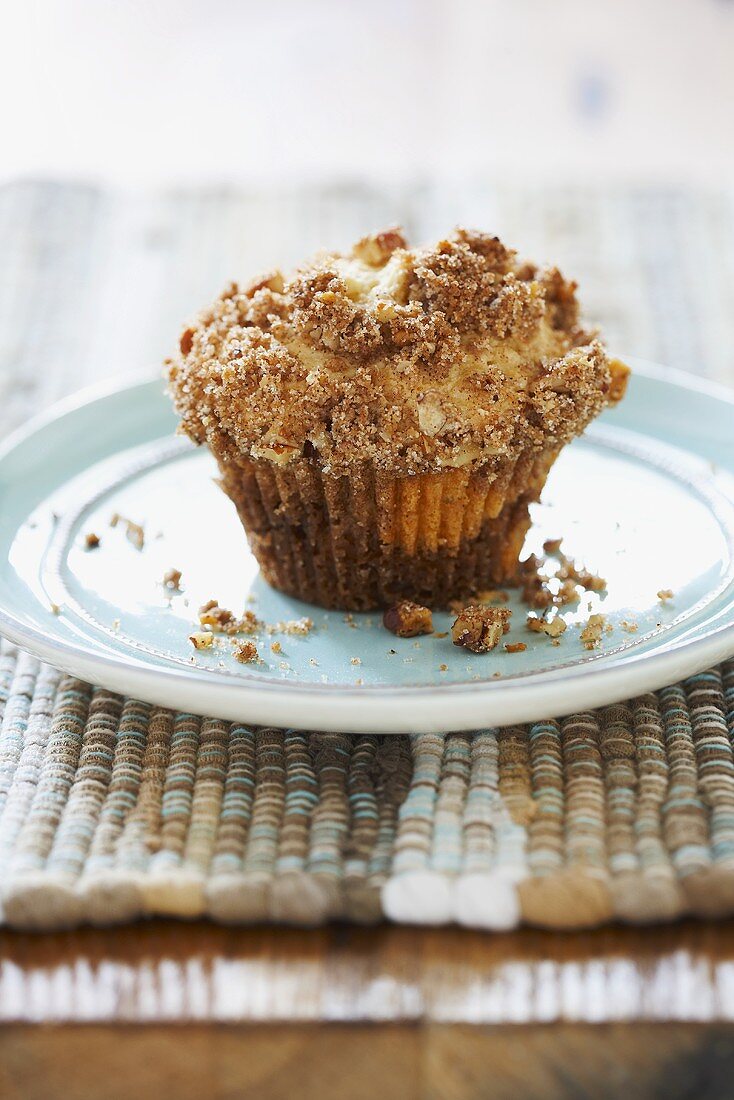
column 407, row 619
column 480, row 628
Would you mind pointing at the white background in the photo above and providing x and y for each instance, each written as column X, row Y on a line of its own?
column 160, row 91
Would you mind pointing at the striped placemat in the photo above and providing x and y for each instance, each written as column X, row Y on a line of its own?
column 112, row 809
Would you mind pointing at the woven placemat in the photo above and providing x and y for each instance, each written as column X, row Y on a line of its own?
column 112, row 809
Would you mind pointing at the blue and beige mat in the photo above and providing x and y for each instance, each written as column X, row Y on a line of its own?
column 112, row 809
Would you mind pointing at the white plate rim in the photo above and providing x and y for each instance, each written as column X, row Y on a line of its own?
column 371, row 708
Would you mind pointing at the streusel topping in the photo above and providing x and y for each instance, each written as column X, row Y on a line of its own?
column 415, row 359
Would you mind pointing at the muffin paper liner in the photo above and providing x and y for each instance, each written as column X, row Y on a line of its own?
column 365, row 540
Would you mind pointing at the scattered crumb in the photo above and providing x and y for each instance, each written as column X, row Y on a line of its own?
column 665, row 594
column 222, row 621
column 515, row 647
column 355, row 660
column 292, row 626
column 349, row 620
column 537, row 587
column 313, row 662
column 284, row 666
column 393, row 651
column 533, row 583
column 553, row 628
column 441, row 634
column 407, row 619
column 628, row 626
column 570, row 571
column 480, row 628
column 592, row 632
column 276, row 647
column 115, row 624
column 201, row 639
column 55, row 609
column 246, row 652
column 91, row 541
column 172, row 579
column 443, row 668
column 566, row 593
column 134, row 532
column 359, row 681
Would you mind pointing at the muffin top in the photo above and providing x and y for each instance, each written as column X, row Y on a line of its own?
column 414, row 359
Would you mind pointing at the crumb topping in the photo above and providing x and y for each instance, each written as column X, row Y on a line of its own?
column 480, row 628
column 415, row 359
column 91, row 541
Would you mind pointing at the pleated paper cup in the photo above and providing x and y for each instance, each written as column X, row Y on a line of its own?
column 364, row 540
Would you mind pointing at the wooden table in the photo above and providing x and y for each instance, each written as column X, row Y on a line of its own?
column 399, row 1012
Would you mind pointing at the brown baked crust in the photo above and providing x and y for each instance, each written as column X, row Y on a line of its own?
column 413, row 360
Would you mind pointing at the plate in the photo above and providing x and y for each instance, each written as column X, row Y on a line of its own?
column 645, row 499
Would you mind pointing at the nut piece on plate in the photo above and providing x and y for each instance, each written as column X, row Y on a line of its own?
column 480, row 628
column 407, row 619
column 201, row 639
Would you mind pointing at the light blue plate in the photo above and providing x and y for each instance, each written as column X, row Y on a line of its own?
column 645, row 499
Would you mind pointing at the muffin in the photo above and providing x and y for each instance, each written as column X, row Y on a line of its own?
column 382, row 419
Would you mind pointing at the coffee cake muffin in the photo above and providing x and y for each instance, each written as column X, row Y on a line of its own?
column 382, row 419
